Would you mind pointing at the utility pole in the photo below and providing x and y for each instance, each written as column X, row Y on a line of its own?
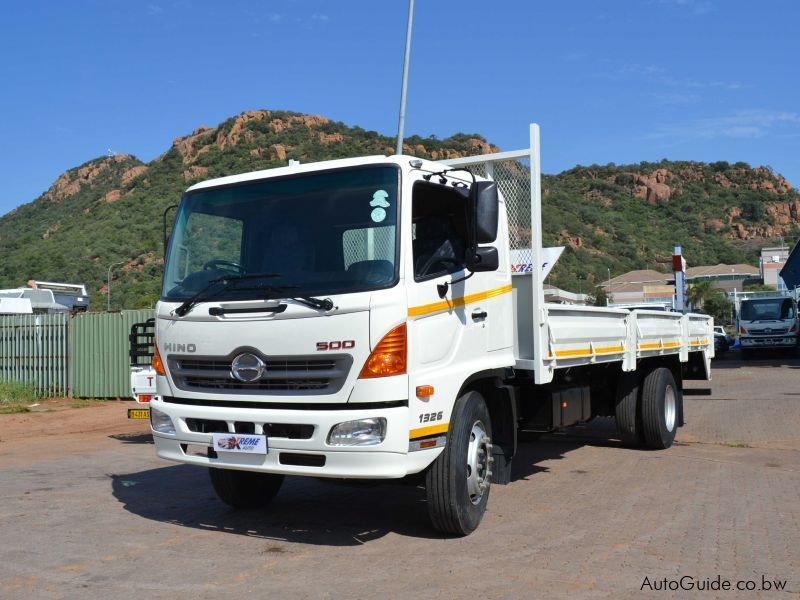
column 404, row 86
column 111, row 266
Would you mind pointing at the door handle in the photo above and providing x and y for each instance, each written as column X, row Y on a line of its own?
column 479, row 315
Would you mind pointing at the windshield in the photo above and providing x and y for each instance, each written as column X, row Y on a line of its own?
column 767, row 309
column 322, row 233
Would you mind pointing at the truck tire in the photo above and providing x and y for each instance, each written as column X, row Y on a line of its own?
column 245, row 489
column 458, row 481
column 627, row 410
column 660, row 402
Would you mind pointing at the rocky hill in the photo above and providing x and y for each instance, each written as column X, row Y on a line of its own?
column 618, row 217
column 630, row 216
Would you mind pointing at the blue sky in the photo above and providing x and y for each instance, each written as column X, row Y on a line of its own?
column 620, row 81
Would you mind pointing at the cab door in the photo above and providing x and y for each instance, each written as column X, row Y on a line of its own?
column 447, row 322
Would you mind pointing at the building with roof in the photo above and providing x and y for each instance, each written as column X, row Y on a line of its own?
column 729, row 278
column 638, row 287
column 649, row 286
column 559, row 296
column 771, row 262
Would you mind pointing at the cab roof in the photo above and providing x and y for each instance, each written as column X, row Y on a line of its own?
column 401, row 160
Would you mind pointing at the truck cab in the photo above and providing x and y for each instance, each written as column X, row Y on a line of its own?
column 768, row 323
column 328, row 308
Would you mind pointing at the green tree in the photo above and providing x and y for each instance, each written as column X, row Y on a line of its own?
column 719, row 307
column 600, row 296
column 704, row 297
column 698, row 292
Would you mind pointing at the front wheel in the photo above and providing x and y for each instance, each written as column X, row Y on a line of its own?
column 458, row 481
column 245, row 489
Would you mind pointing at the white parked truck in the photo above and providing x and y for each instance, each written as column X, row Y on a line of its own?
column 379, row 317
column 768, row 323
column 143, row 376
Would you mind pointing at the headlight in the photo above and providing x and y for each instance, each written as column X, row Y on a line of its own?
column 363, row 432
column 161, row 422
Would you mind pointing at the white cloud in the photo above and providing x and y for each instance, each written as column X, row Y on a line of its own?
column 743, row 124
column 154, row 9
column 666, row 88
column 319, row 17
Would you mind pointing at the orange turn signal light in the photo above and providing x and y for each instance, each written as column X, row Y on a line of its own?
column 389, row 357
column 424, row 391
column 742, row 329
column 158, row 364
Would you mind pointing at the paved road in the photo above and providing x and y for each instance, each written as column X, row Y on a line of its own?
column 91, row 513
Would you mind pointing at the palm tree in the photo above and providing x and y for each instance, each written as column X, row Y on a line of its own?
column 699, row 292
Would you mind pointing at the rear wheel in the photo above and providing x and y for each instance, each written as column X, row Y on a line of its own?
column 245, row 489
column 660, row 399
column 458, row 481
column 627, row 411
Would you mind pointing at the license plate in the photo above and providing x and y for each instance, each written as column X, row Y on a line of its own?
column 240, row 442
column 138, row 413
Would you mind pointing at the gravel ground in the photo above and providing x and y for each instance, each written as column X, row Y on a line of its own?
column 88, row 511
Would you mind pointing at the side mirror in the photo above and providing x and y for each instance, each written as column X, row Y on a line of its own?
column 485, row 207
column 485, row 259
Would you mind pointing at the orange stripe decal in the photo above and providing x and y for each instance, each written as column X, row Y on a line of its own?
column 610, row 350
column 445, row 305
column 430, row 430
column 655, row 346
column 578, row 352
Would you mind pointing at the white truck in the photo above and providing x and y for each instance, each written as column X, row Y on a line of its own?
column 143, row 377
column 768, row 323
column 379, row 317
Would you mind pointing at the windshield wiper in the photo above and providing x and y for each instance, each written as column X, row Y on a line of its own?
column 227, row 280
column 320, row 303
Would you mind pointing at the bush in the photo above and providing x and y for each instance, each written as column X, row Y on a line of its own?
column 18, row 392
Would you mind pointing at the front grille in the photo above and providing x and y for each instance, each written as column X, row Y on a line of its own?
column 206, row 426
column 282, row 375
column 781, row 331
column 302, row 460
column 289, row 431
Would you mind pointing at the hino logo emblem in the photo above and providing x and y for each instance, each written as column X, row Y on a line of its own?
column 247, row 367
column 171, row 347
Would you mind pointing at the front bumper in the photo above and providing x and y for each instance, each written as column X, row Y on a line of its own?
column 388, row 460
column 768, row 341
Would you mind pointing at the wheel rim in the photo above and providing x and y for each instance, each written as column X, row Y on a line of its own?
column 479, row 458
column 670, row 409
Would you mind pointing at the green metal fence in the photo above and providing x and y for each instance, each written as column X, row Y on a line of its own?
column 34, row 349
column 100, row 362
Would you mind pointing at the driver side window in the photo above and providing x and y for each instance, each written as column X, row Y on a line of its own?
column 439, row 228
column 211, row 237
